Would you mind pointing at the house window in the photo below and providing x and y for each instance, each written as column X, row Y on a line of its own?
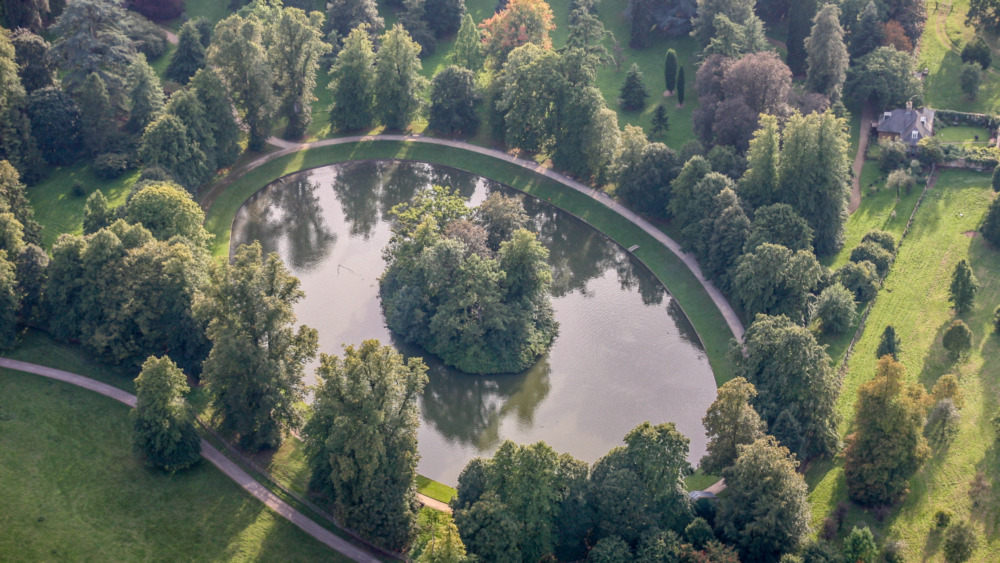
column 923, row 120
column 913, row 135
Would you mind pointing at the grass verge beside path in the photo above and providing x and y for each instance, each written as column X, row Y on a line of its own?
column 85, row 496
column 914, row 299
column 681, row 283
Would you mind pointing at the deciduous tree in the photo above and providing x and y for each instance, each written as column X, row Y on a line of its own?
column 888, row 445
column 453, row 102
column 167, row 143
column 224, row 130
column 10, row 302
column 970, row 79
column 730, row 422
column 163, row 426
column 779, row 224
column 520, row 22
column 398, row 84
column 468, row 51
column 238, row 55
column 362, row 440
column 35, row 67
column 254, row 371
column 776, row 281
column 144, row 93
column 55, row 124
column 885, row 76
column 294, row 52
column 957, row 339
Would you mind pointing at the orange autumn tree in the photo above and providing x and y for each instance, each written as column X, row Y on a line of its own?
column 522, row 21
column 894, row 35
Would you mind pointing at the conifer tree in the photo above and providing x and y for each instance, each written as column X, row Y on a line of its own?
column 670, row 70
column 661, row 122
column 352, row 83
column 758, row 185
column 145, row 94
column 990, row 229
column 867, row 34
column 167, row 143
column 97, row 121
column 468, row 50
column 964, row 286
column 827, row 53
column 163, row 426
column 189, row 56
column 185, row 106
column 398, row 84
column 219, row 114
column 800, row 18
column 633, row 93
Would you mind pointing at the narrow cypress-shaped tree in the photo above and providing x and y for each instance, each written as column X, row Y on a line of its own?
column 189, row 56
column 468, row 51
column 398, row 83
column 145, row 94
column 352, row 83
column 97, row 121
column 827, row 53
column 633, row 93
column 670, row 70
column 680, row 86
column 164, row 432
column 964, row 286
column 219, row 114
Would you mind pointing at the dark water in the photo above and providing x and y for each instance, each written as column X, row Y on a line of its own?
column 625, row 352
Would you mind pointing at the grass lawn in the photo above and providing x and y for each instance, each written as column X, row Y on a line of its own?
column 435, row 490
column 944, row 35
column 682, row 284
column 914, row 300
column 964, row 135
column 85, row 496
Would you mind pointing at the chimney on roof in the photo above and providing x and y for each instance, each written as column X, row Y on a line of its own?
column 909, row 105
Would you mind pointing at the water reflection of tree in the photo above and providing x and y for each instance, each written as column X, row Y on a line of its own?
column 684, row 327
column 290, row 209
column 470, row 409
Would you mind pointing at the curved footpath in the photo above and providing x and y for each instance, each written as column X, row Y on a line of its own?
column 230, row 469
column 287, row 147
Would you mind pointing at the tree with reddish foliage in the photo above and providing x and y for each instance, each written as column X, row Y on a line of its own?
column 893, row 34
column 158, row 10
column 522, row 21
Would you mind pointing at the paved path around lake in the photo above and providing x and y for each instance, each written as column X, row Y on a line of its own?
column 288, row 147
column 217, row 458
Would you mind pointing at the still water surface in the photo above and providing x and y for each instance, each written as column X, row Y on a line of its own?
column 625, row 353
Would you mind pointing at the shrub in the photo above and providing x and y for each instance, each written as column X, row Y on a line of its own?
column 111, row 165
column 873, row 252
column 942, row 423
column 881, row 238
column 861, row 278
column 970, row 79
column 78, row 190
column 990, row 229
column 860, row 546
column 929, row 151
column 947, row 387
column 959, row 543
column 892, row 154
column 957, row 339
column 894, row 551
column 835, row 309
column 900, row 181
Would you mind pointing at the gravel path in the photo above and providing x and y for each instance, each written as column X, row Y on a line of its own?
column 233, row 471
column 867, row 116
column 288, row 147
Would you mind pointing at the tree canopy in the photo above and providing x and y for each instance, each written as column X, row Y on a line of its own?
column 163, row 426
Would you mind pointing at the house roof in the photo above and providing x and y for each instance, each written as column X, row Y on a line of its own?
column 904, row 122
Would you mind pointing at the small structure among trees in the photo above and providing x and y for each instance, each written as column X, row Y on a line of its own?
column 908, row 125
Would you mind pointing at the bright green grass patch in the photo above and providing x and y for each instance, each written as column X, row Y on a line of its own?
column 914, row 300
column 73, row 490
column 962, row 135
column 681, row 283
column 60, row 211
column 944, row 35
column 699, row 481
column 435, row 490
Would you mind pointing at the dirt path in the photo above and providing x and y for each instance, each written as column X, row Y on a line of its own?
column 867, row 116
column 287, row 147
column 230, row 469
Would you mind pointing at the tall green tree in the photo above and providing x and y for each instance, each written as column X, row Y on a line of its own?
column 167, row 211
column 185, row 106
column 189, row 56
column 765, row 512
column 398, row 84
column 294, row 54
column 468, row 50
column 957, row 340
column 964, row 286
column 453, row 101
column 826, row 53
column 362, row 440
column 444, row 17
column 990, row 228
column 91, row 38
column 163, row 426
column 759, row 184
column 885, row 76
column 867, row 34
column 776, row 281
column 779, row 224
column 55, row 124
column 800, row 19
column 145, row 95
column 225, row 132
column 254, row 371
column 670, row 70
column 14, row 198
column 10, row 302
column 633, row 94
column 680, row 86
column 792, row 373
column 814, row 175
column 740, row 11
column 97, row 123
column 239, row 56
column 729, row 423
column 27, row 14
column 35, row 67
column 16, row 142
column 96, row 213
column 344, row 16
column 167, row 143
column 888, row 444
column 352, row 83
column 31, row 273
